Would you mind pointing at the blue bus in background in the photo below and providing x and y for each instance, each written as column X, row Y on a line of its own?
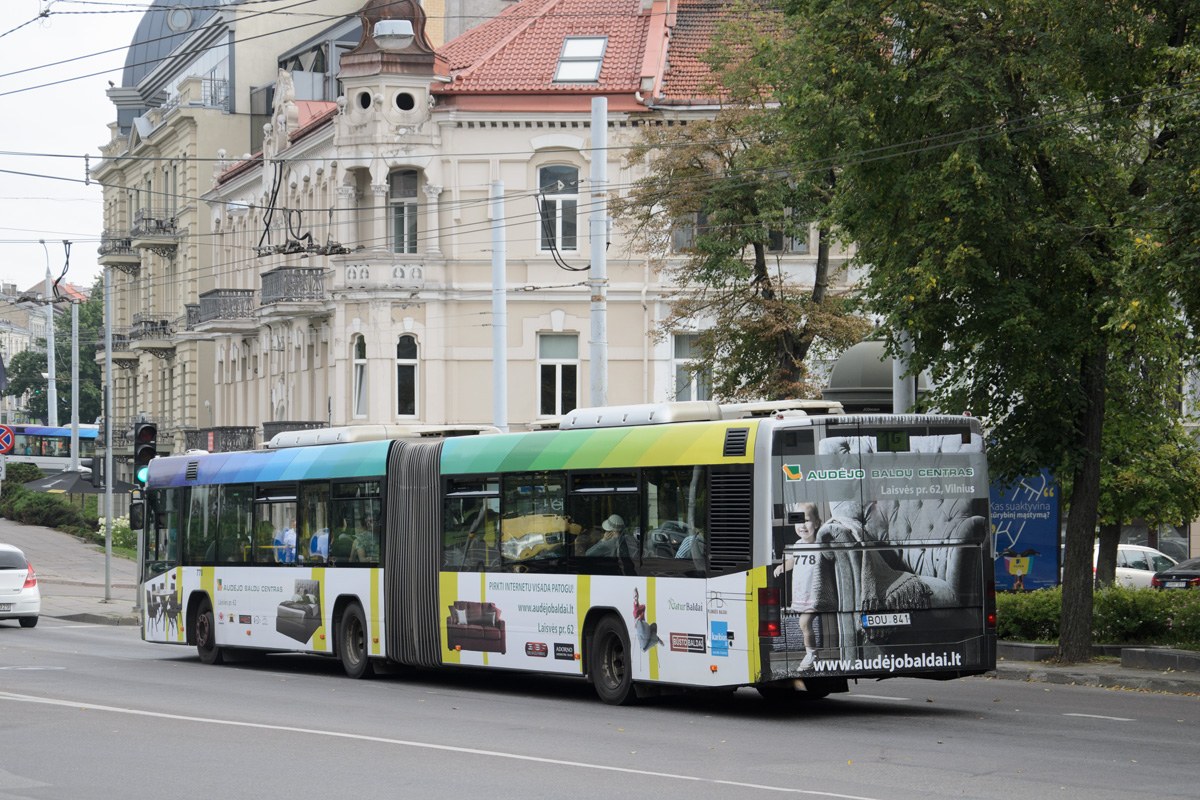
column 47, row 447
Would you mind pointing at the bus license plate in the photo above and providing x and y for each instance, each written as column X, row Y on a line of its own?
column 885, row 620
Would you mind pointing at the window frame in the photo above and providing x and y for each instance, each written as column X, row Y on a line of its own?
column 403, row 208
column 359, row 391
column 558, row 364
column 695, row 380
column 413, row 364
column 558, row 198
column 568, row 61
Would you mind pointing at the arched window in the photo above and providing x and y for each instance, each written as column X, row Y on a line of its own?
column 407, row 374
column 402, row 196
column 358, row 401
column 559, row 188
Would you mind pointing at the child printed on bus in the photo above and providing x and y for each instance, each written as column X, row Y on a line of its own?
column 803, row 567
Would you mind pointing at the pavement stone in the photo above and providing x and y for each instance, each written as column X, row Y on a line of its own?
column 71, row 573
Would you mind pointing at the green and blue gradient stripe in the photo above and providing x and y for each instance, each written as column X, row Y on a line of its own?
column 601, row 448
column 324, row 462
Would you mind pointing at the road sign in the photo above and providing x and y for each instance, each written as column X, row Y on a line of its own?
column 6, row 439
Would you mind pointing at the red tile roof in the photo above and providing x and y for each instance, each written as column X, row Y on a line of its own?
column 687, row 76
column 517, row 51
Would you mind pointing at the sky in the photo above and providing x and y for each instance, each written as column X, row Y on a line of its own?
column 69, row 118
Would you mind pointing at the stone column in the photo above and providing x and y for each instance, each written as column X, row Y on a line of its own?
column 346, row 232
column 380, row 216
column 433, row 234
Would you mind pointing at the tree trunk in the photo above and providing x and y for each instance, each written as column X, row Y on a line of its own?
column 1075, row 628
column 1106, row 559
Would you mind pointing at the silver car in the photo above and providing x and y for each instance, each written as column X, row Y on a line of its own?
column 20, row 598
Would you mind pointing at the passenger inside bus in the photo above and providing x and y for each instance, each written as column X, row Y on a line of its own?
column 366, row 541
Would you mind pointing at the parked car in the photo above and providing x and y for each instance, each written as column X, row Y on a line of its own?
column 20, row 598
column 1136, row 564
column 1184, row 575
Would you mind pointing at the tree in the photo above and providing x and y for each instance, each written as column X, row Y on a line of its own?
column 1149, row 472
column 25, row 375
column 26, row 369
column 1012, row 193
column 715, row 211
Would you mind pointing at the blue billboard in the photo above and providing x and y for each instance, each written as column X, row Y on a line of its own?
column 1025, row 522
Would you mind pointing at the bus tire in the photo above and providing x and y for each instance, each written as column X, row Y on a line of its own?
column 609, row 663
column 206, row 634
column 352, row 643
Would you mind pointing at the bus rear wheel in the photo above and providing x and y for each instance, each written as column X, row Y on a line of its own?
column 206, row 634
column 609, row 663
column 352, row 643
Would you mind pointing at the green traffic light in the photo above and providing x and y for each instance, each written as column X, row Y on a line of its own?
column 142, row 474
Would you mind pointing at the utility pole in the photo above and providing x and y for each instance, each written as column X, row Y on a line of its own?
column 108, row 455
column 598, row 228
column 499, row 311
column 51, row 380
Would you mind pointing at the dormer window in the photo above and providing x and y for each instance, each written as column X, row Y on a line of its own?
column 581, row 59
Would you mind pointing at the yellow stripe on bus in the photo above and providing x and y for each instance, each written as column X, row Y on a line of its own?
column 483, row 599
column 318, row 639
column 448, row 591
column 374, row 612
column 583, row 601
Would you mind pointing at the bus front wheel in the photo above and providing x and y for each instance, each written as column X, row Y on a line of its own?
column 206, row 634
column 352, row 642
column 609, row 663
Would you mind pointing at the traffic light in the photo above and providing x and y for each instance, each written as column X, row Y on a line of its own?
column 145, row 447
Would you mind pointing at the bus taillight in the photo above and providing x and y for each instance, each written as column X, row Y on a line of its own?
column 768, row 612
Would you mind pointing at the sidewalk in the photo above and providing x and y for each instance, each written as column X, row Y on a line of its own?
column 71, row 576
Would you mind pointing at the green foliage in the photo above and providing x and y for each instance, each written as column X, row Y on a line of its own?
column 1024, row 190
column 1028, row 616
column 40, row 508
column 25, row 370
column 724, row 191
column 1122, row 616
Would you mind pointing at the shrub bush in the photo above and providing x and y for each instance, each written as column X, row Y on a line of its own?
column 49, row 510
column 1120, row 616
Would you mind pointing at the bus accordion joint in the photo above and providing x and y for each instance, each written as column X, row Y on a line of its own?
column 768, row 612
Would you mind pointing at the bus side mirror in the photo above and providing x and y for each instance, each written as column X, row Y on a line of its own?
column 137, row 516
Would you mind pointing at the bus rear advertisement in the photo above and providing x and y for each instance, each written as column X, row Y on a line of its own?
column 791, row 553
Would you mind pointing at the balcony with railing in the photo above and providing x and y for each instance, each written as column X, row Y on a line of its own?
column 152, row 333
column 293, row 290
column 226, row 439
column 226, row 311
column 197, row 92
column 116, row 250
column 122, row 356
column 272, row 429
column 154, row 230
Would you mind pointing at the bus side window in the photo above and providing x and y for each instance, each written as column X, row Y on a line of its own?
column 470, row 519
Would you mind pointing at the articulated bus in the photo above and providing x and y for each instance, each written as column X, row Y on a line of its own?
column 48, row 448
column 646, row 549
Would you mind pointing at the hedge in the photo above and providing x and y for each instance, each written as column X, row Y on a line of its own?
column 1120, row 616
column 40, row 508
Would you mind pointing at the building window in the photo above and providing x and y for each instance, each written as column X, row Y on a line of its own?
column 689, row 383
column 558, row 373
column 403, row 197
column 778, row 242
column 559, row 189
column 406, row 376
column 581, row 59
column 359, row 399
column 686, row 229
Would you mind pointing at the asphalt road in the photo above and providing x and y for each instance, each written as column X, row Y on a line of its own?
column 92, row 711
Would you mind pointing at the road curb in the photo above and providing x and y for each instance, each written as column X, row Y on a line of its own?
column 102, row 619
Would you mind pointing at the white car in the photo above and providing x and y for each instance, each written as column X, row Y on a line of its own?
column 20, row 598
column 1136, row 564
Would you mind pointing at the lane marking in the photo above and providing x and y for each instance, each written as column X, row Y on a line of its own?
column 1101, row 716
column 876, row 697
column 424, row 746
